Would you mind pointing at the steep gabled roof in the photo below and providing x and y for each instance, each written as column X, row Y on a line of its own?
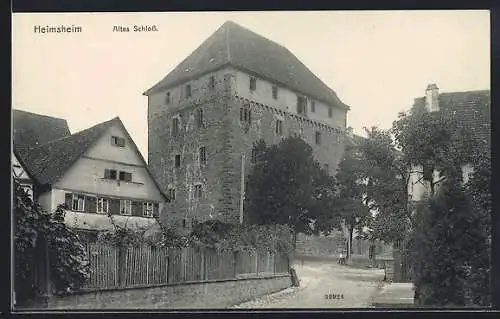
column 243, row 49
column 32, row 130
column 471, row 109
column 49, row 162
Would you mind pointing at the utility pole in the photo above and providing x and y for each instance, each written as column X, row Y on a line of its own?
column 242, row 188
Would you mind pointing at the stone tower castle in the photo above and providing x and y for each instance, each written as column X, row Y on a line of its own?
column 237, row 87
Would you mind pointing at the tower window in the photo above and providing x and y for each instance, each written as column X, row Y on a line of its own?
column 253, row 84
column 279, row 127
column 275, row 92
column 301, row 105
column 199, row 117
column 203, row 155
column 171, row 194
column 177, row 160
column 175, row 126
column 211, row 83
column 197, row 191
column 318, row 138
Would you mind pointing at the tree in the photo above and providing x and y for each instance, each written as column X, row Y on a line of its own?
column 36, row 230
column 285, row 186
column 352, row 200
column 387, row 173
column 449, row 246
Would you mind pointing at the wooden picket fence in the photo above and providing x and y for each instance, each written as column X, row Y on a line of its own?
column 114, row 267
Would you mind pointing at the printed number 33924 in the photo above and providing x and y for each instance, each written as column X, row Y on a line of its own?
column 334, row 296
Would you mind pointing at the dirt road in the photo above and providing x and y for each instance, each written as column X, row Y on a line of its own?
column 348, row 287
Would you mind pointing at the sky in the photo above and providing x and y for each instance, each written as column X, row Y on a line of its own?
column 376, row 61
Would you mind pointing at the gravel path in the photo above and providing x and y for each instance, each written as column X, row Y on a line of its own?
column 317, row 279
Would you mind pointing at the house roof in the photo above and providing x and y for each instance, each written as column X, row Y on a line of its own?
column 49, row 162
column 471, row 109
column 243, row 49
column 32, row 130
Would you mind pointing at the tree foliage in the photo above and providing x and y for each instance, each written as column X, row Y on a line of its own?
column 288, row 187
column 450, row 250
column 34, row 228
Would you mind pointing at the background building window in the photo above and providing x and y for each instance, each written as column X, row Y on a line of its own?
column 253, row 84
column 167, row 98
column 117, row 141
column 125, row 207
column 275, row 92
column 254, row 156
column 313, row 106
column 203, row 155
column 102, row 205
column 318, row 138
column 330, row 112
column 78, row 203
column 177, row 160
column 188, row 90
column 125, row 176
column 110, row 174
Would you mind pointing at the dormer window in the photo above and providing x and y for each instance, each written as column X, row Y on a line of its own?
column 117, row 141
column 253, row 84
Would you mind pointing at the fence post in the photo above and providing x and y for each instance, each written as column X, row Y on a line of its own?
column 235, row 255
column 274, row 263
column 121, row 265
column 202, row 266
column 257, row 262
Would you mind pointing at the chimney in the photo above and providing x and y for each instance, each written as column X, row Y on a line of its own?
column 432, row 98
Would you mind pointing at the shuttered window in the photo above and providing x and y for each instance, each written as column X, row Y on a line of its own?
column 125, row 176
column 91, row 204
column 110, row 174
column 199, row 117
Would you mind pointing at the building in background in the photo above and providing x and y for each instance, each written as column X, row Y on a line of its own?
column 203, row 118
column 94, row 172
column 469, row 110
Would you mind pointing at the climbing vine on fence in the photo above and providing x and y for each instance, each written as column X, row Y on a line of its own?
column 69, row 266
